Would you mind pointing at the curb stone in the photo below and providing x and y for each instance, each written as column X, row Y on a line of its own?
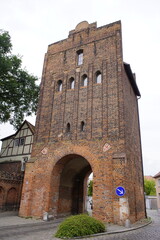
column 113, row 232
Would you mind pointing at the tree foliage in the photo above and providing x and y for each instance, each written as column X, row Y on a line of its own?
column 18, row 90
column 149, row 187
column 90, row 188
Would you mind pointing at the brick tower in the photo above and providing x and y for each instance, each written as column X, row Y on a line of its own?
column 87, row 122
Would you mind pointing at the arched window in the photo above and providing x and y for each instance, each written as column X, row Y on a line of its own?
column 82, row 126
column 98, row 77
column 59, row 85
column 11, row 198
column 71, row 83
column 84, row 80
column 68, row 128
column 80, row 57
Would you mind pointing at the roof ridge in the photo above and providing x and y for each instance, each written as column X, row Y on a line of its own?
column 157, row 175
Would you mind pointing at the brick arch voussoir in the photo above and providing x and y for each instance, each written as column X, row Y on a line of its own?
column 86, row 154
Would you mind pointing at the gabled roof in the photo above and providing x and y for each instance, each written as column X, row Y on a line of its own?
column 157, row 175
column 131, row 79
column 30, row 126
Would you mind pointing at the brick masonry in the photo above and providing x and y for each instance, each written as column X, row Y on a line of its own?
column 109, row 144
column 11, row 179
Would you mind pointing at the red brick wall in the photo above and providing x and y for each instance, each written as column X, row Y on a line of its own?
column 11, row 179
column 134, row 168
column 2, row 192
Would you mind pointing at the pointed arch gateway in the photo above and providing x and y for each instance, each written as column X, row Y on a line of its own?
column 68, row 185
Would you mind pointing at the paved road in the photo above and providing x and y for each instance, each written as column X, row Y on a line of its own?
column 46, row 231
column 34, row 231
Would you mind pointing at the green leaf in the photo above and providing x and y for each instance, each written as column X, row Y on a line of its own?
column 18, row 90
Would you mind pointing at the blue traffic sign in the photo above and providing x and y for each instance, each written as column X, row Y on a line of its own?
column 120, row 191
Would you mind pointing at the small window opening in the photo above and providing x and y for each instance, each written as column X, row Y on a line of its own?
column 82, row 126
column 21, row 141
column 59, row 86
column 16, row 142
column 71, row 83
column 84, row 80
column 98, row 77
column 80, row 57
column 68, row 129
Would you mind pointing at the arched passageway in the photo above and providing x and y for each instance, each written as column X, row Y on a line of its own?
column 68, row 185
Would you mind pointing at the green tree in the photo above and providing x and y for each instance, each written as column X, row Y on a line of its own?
column 18, row 90
column 90, row 188
column 149, row 187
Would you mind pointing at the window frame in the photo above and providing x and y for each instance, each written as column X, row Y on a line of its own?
column 80, row 57
column 68, row 128
column 21, row 141
column 16, row 142
column 84, row 80
column 97, row 75
column 82, row 127
column 71, row 83
column 59, row 86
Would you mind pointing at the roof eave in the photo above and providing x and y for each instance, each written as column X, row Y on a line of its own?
column 131, row 79
column 157, row 175
column 31, row 127
column 7, row 137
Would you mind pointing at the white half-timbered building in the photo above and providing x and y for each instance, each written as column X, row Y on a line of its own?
column 18, row 146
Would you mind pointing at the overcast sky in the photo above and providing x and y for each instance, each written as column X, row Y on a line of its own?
column 34, row 24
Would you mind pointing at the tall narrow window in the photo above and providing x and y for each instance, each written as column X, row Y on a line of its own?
column 21, row 141
column 98, row 77
column 82, row 126
column 16, row 142
column 84, row 80
column 68, row 128
column 80, row 57
column 59, row 86
column 71, row 83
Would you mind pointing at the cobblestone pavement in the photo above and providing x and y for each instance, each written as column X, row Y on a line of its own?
column 46, row 231
column 150, row 232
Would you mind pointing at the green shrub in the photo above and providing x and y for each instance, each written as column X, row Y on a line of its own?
column 79, row 225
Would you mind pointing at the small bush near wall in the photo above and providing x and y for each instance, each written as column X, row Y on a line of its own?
column 79, row 225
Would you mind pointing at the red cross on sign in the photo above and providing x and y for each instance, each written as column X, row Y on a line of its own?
column 106, row 147
column 44, row 151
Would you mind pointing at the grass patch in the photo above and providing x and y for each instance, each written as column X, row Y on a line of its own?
column 79, row 225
